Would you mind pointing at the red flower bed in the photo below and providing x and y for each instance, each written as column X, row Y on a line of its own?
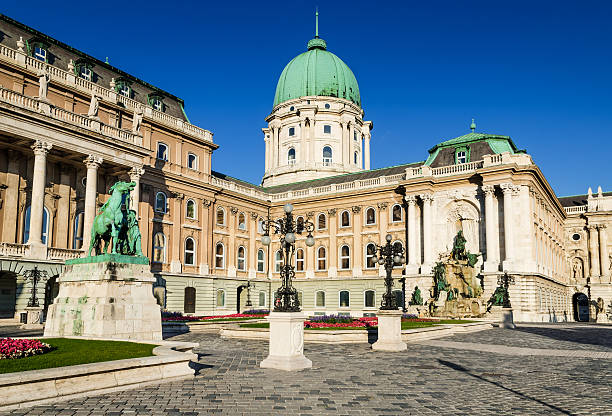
column 206, row 318
column 19, row 348
column 367, row 322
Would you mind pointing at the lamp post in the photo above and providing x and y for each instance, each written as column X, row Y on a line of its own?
column 286, row 320
column 389, row 256
column 248, row 288
column 504, row 281
column 34, row 311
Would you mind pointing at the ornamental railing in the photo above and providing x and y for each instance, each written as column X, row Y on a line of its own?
column 55, row 253
column 71, row 80
column 13, row 250
column 576, row 210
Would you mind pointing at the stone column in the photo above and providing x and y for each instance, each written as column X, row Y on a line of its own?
column 345, row 146
column 231, row 245
column 366, row 150
column 349, row 142
column 301, row 153
column 274, row 153
column 252, row 254
column 176, row 242
column 93, row 163
column 593, row 250
column 492, row 262
column 65, row 219
column 267, row 154
column 359, row 254
column 332, row 269
column 135, row 175
column 11, row 198
column 39, row 177
column 508, row 189
column 427, row 234
column 206, row 231
column 412, row 266
column 603, row 252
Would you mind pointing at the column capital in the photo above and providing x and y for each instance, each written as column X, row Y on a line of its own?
column 93, row 162
column 410, row 199
column 136, row 173
column 382, row 206
column 506, row 187
column 356, row 209
column 488, row 189
column 178, row 196
column 602, row 226
column 254, row 215
column 332, row 212
column 592, row 227
column 426, row 197
column 233, row 210
column 206, row 202
column 41, row 148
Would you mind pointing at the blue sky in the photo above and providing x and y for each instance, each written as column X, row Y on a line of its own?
column 537, row 71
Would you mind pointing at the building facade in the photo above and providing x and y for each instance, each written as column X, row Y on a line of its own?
column 71, row 125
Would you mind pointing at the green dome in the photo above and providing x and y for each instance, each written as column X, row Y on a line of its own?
column 317, row 72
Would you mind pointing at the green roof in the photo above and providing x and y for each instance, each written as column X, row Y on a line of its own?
column 499, row 144
column 317, row 72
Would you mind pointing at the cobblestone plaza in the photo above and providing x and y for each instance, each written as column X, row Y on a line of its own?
column 536, row 369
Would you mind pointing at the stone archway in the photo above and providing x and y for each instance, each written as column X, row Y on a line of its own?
column 8, row 294
column 580, row 303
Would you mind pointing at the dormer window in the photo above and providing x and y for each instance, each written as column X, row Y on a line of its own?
column 85, row 72
column 123, row 88
column 40, row 53
column 155, row 101
column 291, row 131
column 462, row 155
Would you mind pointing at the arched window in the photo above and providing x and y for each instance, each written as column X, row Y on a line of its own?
column 321, row 258
column 399, row 246
column 261, row 261
column 345, row 257
column 192, row 161
column 278, row 261
column 300, row 223
column 299, row 260
column 241, row 221
column 344, row 299
column 370, row 216
column 370, row 254
column 162, row 151
column 262, row 299
column 189, row 251
column 396, row 213
column 260, row 226
column 345, row 219
column 355, row 158
column 44, row 232
column 219, row 256
column 159, row 248
column 241, row 262
column 327, row 156
column 220, row 216
column 190, row 300
column 161, row 202
column 321, row 222
column 320, row 299
column 369, row 298
column 291, row 156
column 77, row 239
column 191, row 209
column 220, row 298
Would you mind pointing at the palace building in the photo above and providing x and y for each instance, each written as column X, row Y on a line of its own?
column 72, row 125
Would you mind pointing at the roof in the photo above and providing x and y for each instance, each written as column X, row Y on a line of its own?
column 348, row 177
column 498, row 144
column 578, row 200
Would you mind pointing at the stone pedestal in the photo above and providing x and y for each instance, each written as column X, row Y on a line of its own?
column 34, row 318
column 389, row 331
column 286, row 342
column 109, row 296
column 507, row 319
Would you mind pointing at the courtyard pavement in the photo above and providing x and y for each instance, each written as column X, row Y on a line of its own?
column 536, row 369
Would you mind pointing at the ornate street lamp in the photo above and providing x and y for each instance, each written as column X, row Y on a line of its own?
column 286, row 297
column 248, row 288
column 504, row 281
column 389, row 255
column 36, row 276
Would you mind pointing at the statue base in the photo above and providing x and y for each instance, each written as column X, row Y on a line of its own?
column 389, row 331
column 286, row 342
column 107, row 296
column 507, row 320
column 33, row 318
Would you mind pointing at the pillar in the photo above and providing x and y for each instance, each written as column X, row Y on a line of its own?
column 603, row 252
column 93, row 163
column 311, row 137
column 358, row 248
column 593, row 251
column 231, row 245
column 349, row 144
column 267, row 154
column 65, row 219
column 332, row 268
column 492, row 262
column 11, row 198
column 176, row 242
column 345, row 144
column 428, row 258
column 301, row 152
column 366, row 151
column 135, row 175
column 252, row 253
column 204, row 241
column 507, row 189
column 412, row 266
column 39, row 177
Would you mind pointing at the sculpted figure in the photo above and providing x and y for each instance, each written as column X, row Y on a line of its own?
column 110, row 219
column 43, row 84
column 133, row 234
column 93, row 106
column 417, row 299
column 137, row 121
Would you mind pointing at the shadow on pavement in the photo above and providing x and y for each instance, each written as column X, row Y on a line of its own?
column 580, row 335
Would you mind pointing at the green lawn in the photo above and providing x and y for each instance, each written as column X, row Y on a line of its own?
column 405, row 325
column 216, row 320
column 77, row 351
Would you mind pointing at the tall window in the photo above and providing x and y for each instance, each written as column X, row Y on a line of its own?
column 192, row 161
column 291, row 156
column 396, row 213
column 40, row 53
column 321, row 258
column 345, row 257
column 162, row 151
column 191, row 209
column 77, row 241
column 220, row 298
column 260, row 226
column 299, row 260
column 370, row 254
column 45, row 226
column 85, row 72
column 327, row 129
column 123, row 88
column 261, row 261
column 370, row 216
column 355, row 135
column 241, row 262
column 159, row 248
column 278, row 261
column 327, row 156
column 189, row 300
column 157, row 104
column 344, row 299
column 241, row 221
column 369, row 298
column 189, row 251
column 321, row 222
column 291, row 131
column 262, row 299
column 355, row 158
column 160, row 202
column 320, row 299
column 220, row 216
column 219, row 256
column 300, row 223
column 345, row 219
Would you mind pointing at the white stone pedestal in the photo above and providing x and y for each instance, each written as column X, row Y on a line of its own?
column 107, row 296
column 389, row 331
column 507, row 320
column 286, row 342
column 34, row 318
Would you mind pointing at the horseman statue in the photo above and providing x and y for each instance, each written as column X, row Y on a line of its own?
column 117, row 223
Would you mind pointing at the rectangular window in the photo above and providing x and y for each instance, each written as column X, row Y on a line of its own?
column 461, row 157
column 40, row 53
column 327, row 129
column 291, row 131
column 85, row 73
column 124, row 90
